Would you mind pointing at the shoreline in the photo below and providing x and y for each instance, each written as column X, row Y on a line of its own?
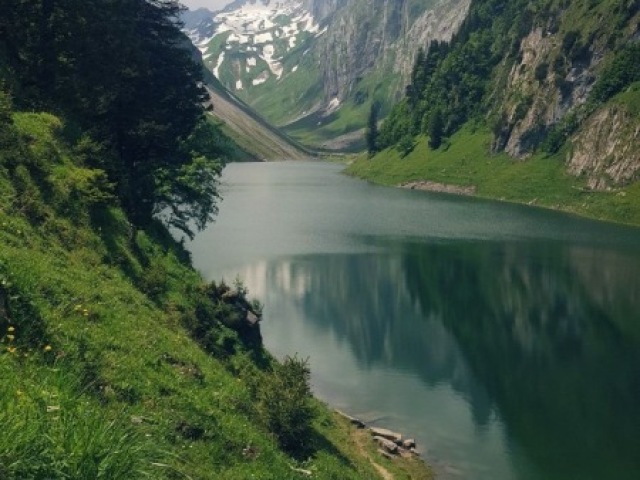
column 471, row 191
column 467, row 167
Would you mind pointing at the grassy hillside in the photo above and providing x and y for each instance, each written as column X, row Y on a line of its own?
column 118, row 361
column 258, row 139
column 532, row 102
column 465, row 160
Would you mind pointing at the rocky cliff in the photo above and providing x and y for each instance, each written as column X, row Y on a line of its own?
column 556, row 91
column 318, row 65
column 547, row 78
column 380, row 38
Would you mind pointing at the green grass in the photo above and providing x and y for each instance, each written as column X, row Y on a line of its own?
column 466, row 161
column 630, row 99
column 115, row 362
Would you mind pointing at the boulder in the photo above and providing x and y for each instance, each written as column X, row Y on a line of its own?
column 409, row 443
column 252, row 318
column 387, row 445
column 388, row 434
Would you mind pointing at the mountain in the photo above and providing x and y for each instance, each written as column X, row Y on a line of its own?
column 546, row 92
column 315, row 67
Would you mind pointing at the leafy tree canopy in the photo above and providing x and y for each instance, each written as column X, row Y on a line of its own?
column 122, row 72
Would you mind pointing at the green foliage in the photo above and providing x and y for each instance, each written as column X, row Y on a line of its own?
column 284, row 404
column 435, row 129
column 542, row 69
column 47, row 433
column 21, row 326
column 542, row 179
column 406, row 145
column 630, row 99
column 620, row 73
column 371, row 133
column 137, row 97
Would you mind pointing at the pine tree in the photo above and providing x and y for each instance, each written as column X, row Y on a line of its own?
column 436, row 129
column 121, row 71
column 371, row 134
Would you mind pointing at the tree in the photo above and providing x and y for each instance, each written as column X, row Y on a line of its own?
column 139, row 95
column 371, row 133
column 406, row 145
column 284, row 404
column 436, row 129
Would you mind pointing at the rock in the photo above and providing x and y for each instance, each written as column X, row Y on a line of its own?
column 388, row 434
column 306, row 473
column 136, row 420
column 409, row 443
column 429, row 186
column 386, row 444
column 353, row 420
column 252, row 318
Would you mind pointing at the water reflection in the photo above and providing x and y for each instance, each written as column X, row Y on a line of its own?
column 542, row 338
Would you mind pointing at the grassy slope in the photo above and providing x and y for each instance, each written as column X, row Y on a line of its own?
column 260, row 139
column 101, row 378
column 466, row 161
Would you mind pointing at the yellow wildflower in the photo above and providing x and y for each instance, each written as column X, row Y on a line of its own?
column 11, row 329
column 11, row 349
column 11, row 338
column 48, row 348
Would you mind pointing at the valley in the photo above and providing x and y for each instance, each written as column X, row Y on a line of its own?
column 327, row 239
column 307, row 66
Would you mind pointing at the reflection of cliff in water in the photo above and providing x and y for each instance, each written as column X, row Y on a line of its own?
column 547, row 336
column 365, row 300
column 552, row 333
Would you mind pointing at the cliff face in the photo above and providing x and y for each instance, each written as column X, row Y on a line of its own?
column 607, row 149
column 549, row 90
column 313, row 61
column 380, row 38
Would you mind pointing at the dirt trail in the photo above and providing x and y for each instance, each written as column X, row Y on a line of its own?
column 360, row 441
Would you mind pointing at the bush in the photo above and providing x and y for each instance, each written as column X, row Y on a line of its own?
column 622, row 72
column 284, row 404
column 406, row 145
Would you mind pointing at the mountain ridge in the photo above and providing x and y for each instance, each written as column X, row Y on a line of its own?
column 306, row 66
column 546, row 92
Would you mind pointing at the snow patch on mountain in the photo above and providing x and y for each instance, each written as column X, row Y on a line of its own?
column 255, row 29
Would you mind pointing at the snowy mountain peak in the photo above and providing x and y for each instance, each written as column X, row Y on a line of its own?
column 238, row 42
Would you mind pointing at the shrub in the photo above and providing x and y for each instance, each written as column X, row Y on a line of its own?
column 406, row 145
column 622, row 72
column 284, row 404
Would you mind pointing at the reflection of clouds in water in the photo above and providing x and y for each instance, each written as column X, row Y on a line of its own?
column 261, row 277
column 494, row 315
column 373, row 356
column 512, row 329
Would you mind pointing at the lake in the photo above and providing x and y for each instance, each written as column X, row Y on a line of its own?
column 505, row 339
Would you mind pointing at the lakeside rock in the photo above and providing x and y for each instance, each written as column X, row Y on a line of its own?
column 392, row 444
column 395, row 437
column 428, row 186
column 387, row 445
